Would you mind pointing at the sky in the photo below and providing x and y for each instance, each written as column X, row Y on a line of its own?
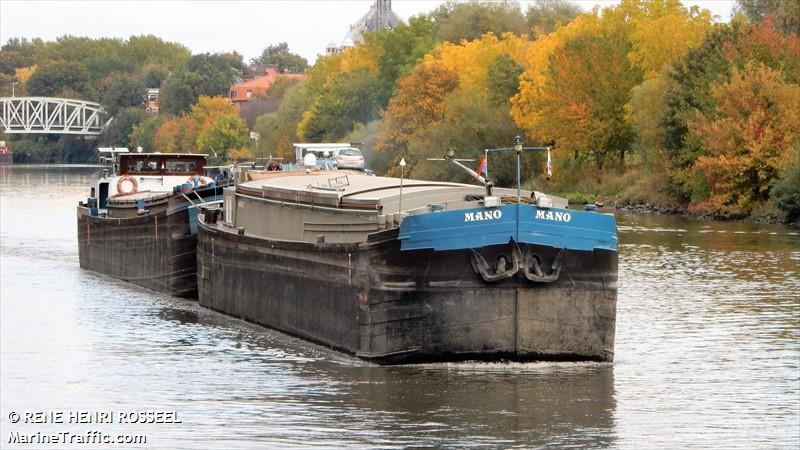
column 222, row 26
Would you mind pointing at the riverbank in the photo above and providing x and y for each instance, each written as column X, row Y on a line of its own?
column 704, row 215
column 655, row 192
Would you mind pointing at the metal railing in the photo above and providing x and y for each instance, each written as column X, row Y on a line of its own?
column 49, row 115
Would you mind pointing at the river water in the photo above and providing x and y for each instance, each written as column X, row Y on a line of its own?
column 707, row 354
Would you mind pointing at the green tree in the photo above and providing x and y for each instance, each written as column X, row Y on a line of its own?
column 351, row 98
column 102, row 66
column 278, row 55
column 785, row 12
column 502, row 79
column 786, row 191
column 472, row 123
column 204, row 74
column 454, row 21
column 11, row 60
column 27, row 49
column 544, row 16
column 144, row 132
column 279, row 130
column 53, row 78
column 153, row 76
column 399, row 50
column 119, row 131
column 151, row 50
column 280, row 87
column 122, row 91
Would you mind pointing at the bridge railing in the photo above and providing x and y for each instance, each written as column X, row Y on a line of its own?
column 49, row 115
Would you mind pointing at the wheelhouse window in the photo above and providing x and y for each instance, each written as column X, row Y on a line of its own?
column 144, row 166
column 163, row 165
column 181, row 166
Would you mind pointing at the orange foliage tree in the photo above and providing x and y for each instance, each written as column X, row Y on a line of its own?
column 182, row 134
column 749, row 138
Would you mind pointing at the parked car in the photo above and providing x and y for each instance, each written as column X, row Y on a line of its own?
column 350, row 158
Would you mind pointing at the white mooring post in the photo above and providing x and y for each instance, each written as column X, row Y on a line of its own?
column 402, row 174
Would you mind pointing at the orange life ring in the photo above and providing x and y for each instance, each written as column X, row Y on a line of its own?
column 134, row 185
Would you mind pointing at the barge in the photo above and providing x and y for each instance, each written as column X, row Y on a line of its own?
column 139, row 222
column 402, row 271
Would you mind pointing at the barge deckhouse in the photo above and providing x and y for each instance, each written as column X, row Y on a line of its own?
column 139, row 222
column 398, row 271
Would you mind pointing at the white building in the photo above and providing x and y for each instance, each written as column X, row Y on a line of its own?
column 380, row 16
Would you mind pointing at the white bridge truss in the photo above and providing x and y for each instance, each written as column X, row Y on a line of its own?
column 48, row 115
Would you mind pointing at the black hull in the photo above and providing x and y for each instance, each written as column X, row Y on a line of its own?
column 378, row 303
column 155, row 251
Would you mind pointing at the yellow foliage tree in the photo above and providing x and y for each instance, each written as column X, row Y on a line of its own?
column 586, row 106
column 24, row 73
column 666, row 38
column 470, row 60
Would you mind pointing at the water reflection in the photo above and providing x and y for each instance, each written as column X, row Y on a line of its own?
column 708, row 351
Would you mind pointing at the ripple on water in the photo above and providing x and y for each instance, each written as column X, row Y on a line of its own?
column 707, row 351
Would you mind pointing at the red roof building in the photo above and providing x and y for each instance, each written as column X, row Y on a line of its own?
column 246, row 90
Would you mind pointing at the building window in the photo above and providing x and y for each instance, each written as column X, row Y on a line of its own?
column 233, row 94
column 249, row 93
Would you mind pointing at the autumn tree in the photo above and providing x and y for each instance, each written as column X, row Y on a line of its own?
column 748, row 139
column 418, row 104
column 728, row 49
column 211, row 125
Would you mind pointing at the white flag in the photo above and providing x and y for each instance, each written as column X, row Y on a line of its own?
column 549, row 164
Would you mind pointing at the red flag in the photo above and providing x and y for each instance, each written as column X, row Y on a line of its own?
column 484, row 167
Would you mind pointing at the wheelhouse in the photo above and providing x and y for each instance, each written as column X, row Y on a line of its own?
column 173, row 164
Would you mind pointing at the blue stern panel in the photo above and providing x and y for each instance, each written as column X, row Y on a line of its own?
column 529, row 224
